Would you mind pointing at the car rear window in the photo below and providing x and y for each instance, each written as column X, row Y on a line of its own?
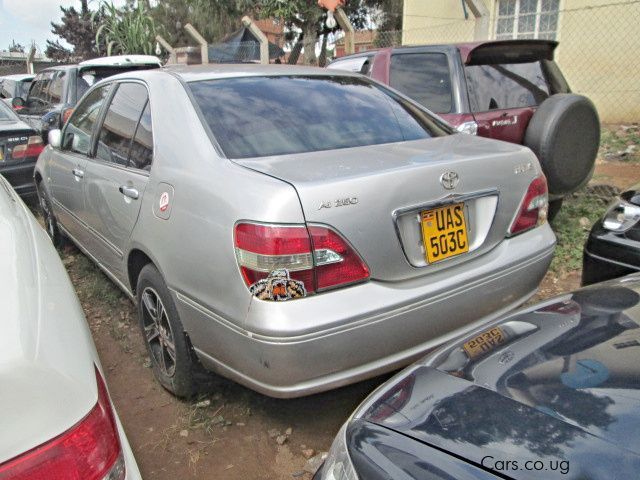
column 507, row 85
column 424, row 77
column 91, row 75
column 6, row 114
column 279, row 115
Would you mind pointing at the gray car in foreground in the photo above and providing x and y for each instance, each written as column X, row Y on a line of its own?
column 293, row 229
column 57, row 419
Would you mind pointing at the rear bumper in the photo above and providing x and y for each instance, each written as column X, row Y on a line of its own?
column 290, row 349
column 20, row 176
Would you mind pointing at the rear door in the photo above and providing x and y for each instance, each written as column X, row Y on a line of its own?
column 117, row 176
column 67, row 164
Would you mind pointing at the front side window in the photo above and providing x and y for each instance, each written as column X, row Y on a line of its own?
column 55, row 88
column 280, row 115
column 79, row 128
column 119, row 126
column 527, row 19
column 424, row 77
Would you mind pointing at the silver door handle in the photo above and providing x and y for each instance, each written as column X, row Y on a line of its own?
column 129, row 192
column 77, row 173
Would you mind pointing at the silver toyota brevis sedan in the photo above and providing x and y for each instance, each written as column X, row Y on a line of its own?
column 293, row 229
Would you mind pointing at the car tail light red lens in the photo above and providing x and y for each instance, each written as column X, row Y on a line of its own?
column 534, row 207
column 32, row 148
column 89, row 451
column 318, row 256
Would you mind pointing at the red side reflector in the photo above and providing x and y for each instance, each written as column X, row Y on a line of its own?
column 88, row 451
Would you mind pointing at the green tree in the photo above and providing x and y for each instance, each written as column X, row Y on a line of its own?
column 78, row 29
column 212, row 18
column 129, row 29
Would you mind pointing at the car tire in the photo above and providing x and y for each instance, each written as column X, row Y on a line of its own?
column 50, row 221
column 564, row 133
column 173, row 360
column 554, row 208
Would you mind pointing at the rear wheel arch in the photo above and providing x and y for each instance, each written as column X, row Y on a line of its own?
column 136, row 261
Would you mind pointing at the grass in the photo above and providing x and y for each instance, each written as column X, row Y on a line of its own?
column 96, row 285
column 615, row 139
column 572, row 225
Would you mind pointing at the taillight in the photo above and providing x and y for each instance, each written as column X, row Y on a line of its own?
column 534, row 207
column 317, row 256
column 32, row 148
column 89, row 451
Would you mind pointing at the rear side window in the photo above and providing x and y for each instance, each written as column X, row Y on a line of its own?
column 79, row 128
column 424, row 77
column 119, row 126
column 38, row 99
column 503, row 86
column 141, row 154
column 262, row 116
column 6, row 88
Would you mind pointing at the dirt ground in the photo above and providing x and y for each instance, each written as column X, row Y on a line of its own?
column 230, row 432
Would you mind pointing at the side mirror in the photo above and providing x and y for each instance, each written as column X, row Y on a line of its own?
column 17, row 103
column 55, row 138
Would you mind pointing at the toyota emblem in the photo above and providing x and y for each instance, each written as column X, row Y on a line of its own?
column 449, row 180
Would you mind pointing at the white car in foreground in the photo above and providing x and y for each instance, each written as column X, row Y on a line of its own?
column 57, row 419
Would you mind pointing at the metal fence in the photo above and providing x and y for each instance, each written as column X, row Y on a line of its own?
column 598, row 51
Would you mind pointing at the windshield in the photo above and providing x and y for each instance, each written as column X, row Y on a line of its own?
column 279, row 115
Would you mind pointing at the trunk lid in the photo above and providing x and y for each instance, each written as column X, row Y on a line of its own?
column 374, row 195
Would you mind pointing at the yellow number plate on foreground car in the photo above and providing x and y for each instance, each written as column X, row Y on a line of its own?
column 484, row 343
column 444, row 232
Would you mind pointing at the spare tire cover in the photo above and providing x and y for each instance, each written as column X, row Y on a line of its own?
column 564, row 133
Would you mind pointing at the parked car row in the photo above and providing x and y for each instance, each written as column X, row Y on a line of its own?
column 298, row 229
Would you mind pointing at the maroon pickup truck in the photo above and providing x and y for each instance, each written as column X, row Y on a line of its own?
column 507, row 90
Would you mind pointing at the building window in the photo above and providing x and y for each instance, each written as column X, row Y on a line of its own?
column 527, row 19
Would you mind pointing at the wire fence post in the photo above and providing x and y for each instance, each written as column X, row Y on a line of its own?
column 264, row 42
column 204, row 46
column 481, row 12
column 167, row 46
column 349, row 32
column 30, row 57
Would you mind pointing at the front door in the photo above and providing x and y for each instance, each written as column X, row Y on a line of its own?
column 115, row 179
column 67, row 168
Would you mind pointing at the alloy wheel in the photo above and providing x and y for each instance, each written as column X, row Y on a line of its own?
column 157, row 331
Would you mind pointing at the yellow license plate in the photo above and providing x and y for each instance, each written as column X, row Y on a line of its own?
column 484, row 343
column 444, row 232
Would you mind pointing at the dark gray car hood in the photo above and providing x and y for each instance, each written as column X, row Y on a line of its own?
column 566, row 387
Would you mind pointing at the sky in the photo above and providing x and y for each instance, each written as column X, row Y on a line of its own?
column 30, row 20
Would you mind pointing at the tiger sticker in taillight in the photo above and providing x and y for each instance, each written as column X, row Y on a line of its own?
column 278, row 287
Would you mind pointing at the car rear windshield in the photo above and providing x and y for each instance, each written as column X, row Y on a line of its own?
column 279, row 115
column 6, row 114
column 512, row 85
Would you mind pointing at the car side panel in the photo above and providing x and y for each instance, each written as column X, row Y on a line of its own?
column 191, row 242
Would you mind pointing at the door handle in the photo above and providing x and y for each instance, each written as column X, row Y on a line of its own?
column 129, row 192
column 77, row 173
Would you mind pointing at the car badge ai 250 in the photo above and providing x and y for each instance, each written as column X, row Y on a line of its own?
column 340, row 202
column 449, row 180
